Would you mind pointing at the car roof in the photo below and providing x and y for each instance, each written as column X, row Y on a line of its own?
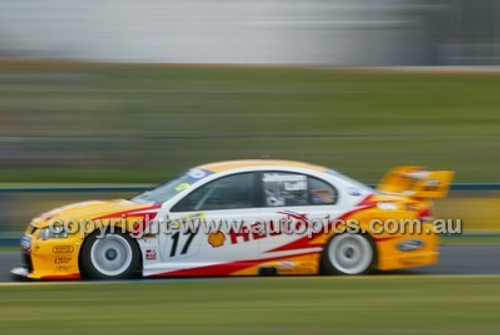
column 249, row 163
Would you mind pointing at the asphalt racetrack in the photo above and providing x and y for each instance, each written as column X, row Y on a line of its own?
column 470, row 259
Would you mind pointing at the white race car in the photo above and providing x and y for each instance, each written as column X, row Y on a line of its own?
column 247, row 217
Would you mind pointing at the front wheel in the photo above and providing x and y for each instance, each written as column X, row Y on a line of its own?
column 114, row 256
column 348, row 254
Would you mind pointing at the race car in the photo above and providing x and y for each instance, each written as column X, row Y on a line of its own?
column 243, row 217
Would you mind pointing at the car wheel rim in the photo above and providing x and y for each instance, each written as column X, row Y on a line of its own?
column 111, row 255
column 350, row 254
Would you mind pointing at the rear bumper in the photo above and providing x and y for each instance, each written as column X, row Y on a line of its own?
column 392, row 257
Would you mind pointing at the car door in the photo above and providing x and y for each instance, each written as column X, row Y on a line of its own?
column 293, row 201
column 218, row 205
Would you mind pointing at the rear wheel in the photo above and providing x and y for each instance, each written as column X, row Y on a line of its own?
column 114, row 256
column 348, row 254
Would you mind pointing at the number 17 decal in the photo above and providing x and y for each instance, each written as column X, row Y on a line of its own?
column 189, row 236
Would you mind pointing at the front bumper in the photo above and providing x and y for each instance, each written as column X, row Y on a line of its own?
column 20, row 272
column 48, row 259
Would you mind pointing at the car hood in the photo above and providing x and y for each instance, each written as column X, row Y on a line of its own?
column 92, row 210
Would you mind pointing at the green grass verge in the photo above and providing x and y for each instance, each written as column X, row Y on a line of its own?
column 108, row 123
column 10, row 248
column 317, row 305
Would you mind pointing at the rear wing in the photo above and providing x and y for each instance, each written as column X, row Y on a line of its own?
column 415, row 182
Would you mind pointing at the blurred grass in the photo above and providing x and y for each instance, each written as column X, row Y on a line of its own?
column 79, row 122
column 376, row 305
column 9, row 248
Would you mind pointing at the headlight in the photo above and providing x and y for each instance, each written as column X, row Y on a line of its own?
column 56, row 232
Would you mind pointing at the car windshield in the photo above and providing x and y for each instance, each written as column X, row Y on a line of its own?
column 353, row 182
column 166, row 191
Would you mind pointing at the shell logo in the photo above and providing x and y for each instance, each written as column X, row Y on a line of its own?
column 216, row 239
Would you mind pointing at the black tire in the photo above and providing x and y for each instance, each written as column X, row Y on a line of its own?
column 337, row 254
column 101, row 258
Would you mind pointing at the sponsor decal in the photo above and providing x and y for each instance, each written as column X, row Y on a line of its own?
column 410, row 245
column 62, row 260
column 291, row 182
column 354, row 191
column 281, row 188
column 253, row 232
column 286, row 264
column 181, row 221
column 194, row 175
column 62, row 268
column 288, row 267
column 432, row 185
column 197, row 173
column 322, row 197
column 182, row 186
column 216, row 239
column 387, row 205
column 433, row 182
column 150, row 254
column 295, row 186
column 63, row 249
column 291, row 222
column 283, row 177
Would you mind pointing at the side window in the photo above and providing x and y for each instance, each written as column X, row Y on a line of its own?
column 231, row 192
column 284, row 189
column 321, row 192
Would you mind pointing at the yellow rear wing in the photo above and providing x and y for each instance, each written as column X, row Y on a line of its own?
column 414, row 181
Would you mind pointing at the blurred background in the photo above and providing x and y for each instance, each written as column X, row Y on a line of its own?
column 340, row 32
column 99, row 99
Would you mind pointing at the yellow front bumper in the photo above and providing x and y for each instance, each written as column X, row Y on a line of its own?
column 50, row 259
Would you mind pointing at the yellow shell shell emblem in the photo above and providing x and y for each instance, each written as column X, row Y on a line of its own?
column 216, row 239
